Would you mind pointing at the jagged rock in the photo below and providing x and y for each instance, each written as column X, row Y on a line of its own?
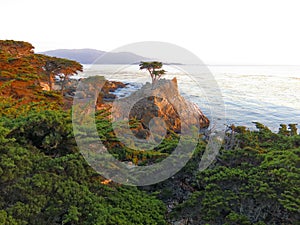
column 111, row 86
column 104, row 87
column 165, row 102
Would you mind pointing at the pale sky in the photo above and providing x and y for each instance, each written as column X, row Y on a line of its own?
column 218, row 32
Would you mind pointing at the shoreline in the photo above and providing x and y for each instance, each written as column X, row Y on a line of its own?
column 131, row 87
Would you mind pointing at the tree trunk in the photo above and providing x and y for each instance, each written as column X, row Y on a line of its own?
column 63, row 82
column 153, row 83
column 50, row 81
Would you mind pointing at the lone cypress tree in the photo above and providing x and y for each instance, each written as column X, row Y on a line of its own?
column 154, row 69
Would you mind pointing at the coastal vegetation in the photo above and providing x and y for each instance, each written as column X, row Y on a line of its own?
column 44, row 179
column 255, row 180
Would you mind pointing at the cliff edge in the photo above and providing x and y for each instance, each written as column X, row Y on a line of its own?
column 164, row 102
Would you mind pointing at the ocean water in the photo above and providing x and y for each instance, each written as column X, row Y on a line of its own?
column 243, row 94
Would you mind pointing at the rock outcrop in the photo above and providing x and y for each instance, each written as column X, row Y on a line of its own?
column 160, row 110
column 163, row 102
column 95, row 84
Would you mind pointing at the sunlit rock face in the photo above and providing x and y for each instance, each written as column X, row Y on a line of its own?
column 162, row 101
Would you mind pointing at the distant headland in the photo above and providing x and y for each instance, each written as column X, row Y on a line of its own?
column 91, row 56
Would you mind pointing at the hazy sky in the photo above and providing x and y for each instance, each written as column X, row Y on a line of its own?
column 218, row 32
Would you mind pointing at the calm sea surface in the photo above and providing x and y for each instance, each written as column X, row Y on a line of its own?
column 266, row 94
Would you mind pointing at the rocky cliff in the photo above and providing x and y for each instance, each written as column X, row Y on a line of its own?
column 164, row 102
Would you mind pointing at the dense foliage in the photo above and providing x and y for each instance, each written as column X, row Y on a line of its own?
column 255, row 181
column 45, row 180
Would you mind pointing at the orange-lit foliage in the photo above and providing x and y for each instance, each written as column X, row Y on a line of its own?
column 105, row 182
column 22, row 71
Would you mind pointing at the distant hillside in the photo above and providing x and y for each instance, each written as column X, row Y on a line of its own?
column 89, row 56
